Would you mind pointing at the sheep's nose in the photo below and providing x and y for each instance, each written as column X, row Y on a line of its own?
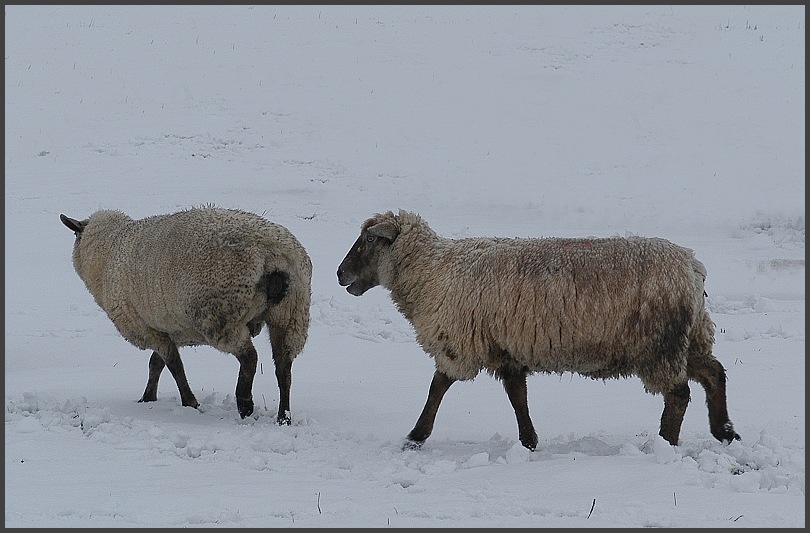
column 343, row 278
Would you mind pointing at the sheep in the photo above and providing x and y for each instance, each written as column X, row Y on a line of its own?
column 200, row 276
column 600, row 307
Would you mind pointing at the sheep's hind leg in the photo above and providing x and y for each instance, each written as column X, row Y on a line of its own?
column 156, row 365
column 515, row 385
column 675, row 402
column 248, row 359
column 424, row 426
column 709, row 372
column 283, row 363
column 175, row 366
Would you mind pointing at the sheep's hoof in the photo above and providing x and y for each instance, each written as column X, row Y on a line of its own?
column 283, row 419
column 412, row 445
column 245, row 407
column 726, row 434
column 529, row 442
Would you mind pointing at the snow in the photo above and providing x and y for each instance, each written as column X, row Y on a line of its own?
column 683, row 122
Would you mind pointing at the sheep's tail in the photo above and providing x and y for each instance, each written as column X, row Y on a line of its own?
column 289, row 295
column 276, row 285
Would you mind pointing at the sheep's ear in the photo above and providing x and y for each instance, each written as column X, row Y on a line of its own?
column 388, row 230
column 73, row 225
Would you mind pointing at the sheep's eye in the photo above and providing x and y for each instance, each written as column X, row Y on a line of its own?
column 370, row 238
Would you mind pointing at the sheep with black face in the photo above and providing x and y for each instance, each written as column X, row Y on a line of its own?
column 600, row 307
column 203, row 276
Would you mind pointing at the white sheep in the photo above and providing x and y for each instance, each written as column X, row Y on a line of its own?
column 202, row 276
column 600, row 307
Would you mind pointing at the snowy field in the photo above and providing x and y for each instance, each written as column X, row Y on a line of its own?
column 686, row 123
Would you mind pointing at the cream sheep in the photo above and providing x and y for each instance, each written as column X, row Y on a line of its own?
column 603, row 308
column 202, row 276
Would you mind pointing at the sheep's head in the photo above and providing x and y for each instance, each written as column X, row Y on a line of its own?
column 77, row 227
column 360, row 269
column 92, row 248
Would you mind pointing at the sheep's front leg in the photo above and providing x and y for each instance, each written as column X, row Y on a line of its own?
column 156, row 365
column 175, row 366
column 515, row 385
column 248, row 359
column 424, row 426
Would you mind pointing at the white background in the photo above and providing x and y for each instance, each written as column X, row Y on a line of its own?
column 686, row 123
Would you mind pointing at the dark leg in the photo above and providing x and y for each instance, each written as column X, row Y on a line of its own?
column 156, row 365
column 424, row 426
column 711, row 375
column 248, row 359
column 175, row 366
column 515, row 385
column 675, row 402
column 283, row 363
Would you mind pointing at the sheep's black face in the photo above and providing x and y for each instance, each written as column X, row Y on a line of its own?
column 358, row 271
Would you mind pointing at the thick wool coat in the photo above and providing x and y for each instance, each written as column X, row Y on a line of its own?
column 195, row 277
column 600, row 307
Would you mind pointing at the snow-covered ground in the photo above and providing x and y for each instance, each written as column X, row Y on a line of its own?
column 682, row 122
